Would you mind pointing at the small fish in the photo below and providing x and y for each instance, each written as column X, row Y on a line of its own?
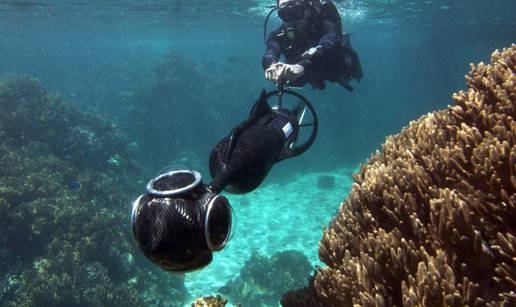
column 74, row 185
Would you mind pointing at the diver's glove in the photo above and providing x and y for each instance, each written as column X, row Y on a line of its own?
column 281, row 72
column 272, row 72
column 290, row 73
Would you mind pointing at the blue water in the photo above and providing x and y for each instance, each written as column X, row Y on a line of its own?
column 110, row 58
column 413, row 55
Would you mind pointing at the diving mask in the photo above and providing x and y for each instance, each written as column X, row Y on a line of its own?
column 292, row 11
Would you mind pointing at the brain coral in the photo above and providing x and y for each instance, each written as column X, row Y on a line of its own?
column 431, row 220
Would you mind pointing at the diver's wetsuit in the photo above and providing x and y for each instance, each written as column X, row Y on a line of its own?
column 334, row 60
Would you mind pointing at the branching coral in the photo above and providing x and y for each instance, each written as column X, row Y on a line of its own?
column 430, row 220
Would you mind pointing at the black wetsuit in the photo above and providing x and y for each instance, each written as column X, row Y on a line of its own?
column 334, row 59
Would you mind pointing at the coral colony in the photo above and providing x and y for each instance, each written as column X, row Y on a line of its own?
column 430, row 219
column 62, row 227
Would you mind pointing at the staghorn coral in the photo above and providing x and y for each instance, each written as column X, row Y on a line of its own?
column 430, row 219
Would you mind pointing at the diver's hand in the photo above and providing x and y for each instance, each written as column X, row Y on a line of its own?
column 272, row 72
column 289, row 72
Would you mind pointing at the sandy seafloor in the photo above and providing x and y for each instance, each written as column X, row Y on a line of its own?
column 275, row 217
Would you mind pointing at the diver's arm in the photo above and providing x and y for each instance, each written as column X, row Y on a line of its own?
column 325, row 47
column 272, row 53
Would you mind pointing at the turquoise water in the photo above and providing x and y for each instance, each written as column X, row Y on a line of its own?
column 277, row 217
column 174, row 77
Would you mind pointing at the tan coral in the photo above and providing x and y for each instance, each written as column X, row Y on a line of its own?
column 210, row 301
column 431, row 219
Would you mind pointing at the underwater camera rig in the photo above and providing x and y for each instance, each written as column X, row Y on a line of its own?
column 180, row 221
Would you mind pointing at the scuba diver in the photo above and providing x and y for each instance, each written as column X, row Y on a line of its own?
column 314, row 47
column 179, row 222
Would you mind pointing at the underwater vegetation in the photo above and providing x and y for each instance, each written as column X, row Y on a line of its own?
column 64, row 193
column 263, row 280
column 430, row 218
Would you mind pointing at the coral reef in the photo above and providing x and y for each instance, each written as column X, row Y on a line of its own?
column 29, row 113
column 210, row 301
column 64, row 238
column 263, row 280
column 430, row 219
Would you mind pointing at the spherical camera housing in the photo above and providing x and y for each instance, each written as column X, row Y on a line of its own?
column 178, row 223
